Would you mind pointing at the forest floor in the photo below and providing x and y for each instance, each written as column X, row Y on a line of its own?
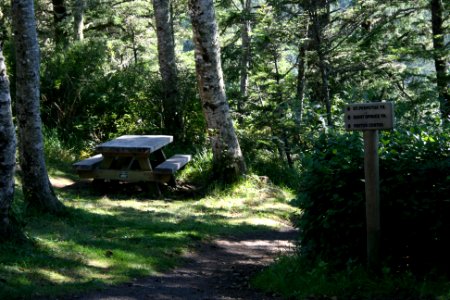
column 221, row 269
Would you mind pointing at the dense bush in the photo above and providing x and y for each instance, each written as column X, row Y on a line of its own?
column 332, row 199
column 415, row 203
column 415, row 199
column 88, row 98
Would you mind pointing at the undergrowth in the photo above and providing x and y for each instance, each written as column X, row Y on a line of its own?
column 294, row 277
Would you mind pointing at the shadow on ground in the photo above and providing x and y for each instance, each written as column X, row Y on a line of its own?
column 217, row 270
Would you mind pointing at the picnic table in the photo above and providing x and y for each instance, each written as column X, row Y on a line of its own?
column 133, row 158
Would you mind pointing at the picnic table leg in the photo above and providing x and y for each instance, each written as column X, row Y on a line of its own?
column 172, row 182
column 158, row 157
column 107, row 161
column 144, row 164
column 105, row 164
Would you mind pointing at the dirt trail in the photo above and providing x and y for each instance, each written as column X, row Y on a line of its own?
column 217, row 270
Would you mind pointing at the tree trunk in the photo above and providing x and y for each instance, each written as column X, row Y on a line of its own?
column 325, row 86
column 319, row 13
column 173, row 117
column 298, row 105
column 301, row 83
column 228, row 162
column 37, row 190
column 59, row 14
column 7, row 157
column 78, row 19
column 280, row 112
column 439, row 58
column 245, row 38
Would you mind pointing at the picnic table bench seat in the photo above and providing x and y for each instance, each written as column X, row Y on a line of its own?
column 88, row 164
column 173, row 164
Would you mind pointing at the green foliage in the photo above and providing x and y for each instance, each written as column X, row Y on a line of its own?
column 295, row 277
column 199, row 171
column 415, row 180
column 268, row 164
column 415, row 174
column 88, row 100
column 332, row 199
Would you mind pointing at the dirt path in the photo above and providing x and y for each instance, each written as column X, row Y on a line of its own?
column 217, row 270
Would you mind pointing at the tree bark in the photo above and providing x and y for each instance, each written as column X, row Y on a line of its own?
column 38, row 192
column 245, row 58
column 8, row 230
column 78, row 19
column 440, row 63
column 172, row 115
column 301, row 83
column 228, row 162
column 280, row 113
column 59, row 14
column 298, row 106
column 319, row 13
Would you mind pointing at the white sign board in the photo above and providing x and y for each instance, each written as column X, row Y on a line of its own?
column 369, row 116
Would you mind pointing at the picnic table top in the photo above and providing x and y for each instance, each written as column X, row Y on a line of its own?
column 135, row 144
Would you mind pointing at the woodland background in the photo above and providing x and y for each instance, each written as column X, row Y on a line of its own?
column 290, row 67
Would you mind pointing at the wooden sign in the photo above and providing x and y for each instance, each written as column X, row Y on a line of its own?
column 369, row 116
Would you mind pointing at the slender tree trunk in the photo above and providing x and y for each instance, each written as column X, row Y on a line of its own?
column 173, row 117
column 319, row 16
column 281, row 112
column 37, row 190
column 227, row 156
column 245, row 58
column 8, row 230
column 59, row 15
column 78, row 19
column 134, row 46
column 300, row 93
column 440, row 63
column 301, row 83
column 325, row 86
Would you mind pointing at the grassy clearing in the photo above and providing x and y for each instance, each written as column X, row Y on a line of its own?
column 112, row 238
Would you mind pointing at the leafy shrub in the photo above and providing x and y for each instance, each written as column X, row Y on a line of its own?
column 89, row 99
column 415, row 200
column 294, row 277
column 332, row 199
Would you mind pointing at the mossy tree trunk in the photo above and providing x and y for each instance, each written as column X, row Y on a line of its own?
column 227, row 156
column 37, row 189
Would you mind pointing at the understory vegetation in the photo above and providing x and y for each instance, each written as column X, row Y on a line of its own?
column 415, row 205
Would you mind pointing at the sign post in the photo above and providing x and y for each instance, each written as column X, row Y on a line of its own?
column 369, row 118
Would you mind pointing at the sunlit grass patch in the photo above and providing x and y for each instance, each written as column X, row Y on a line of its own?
column 110, row 239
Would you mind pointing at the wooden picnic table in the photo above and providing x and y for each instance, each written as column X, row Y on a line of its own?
column 133, row 158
